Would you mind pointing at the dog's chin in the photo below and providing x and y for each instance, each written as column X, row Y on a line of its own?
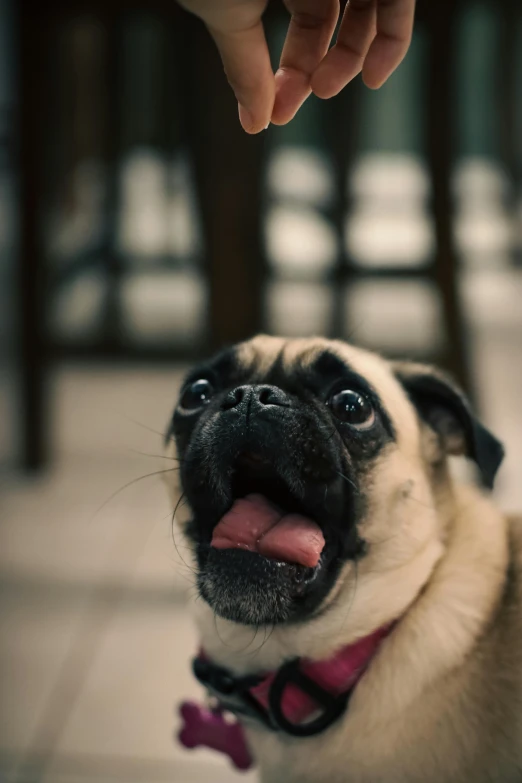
column 248, row 588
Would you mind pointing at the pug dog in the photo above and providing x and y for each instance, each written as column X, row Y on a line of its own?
column 361, row 608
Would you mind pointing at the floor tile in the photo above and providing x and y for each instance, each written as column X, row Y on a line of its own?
column 127, row 709
column 38, row 628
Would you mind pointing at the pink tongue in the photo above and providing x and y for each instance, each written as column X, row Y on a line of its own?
column 255, row 524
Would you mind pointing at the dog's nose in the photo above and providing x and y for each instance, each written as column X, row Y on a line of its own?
column 256, row 396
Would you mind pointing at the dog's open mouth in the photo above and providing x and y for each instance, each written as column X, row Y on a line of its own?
column 256, row 524
column 266, row 518
column 270, row 556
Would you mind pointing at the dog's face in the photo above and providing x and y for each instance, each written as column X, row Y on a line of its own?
column 290, row 450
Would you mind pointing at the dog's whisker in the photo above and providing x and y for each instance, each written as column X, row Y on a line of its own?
column 267, row 636
column 217, row 631
column 129, row 484
column 384, row 540
column 252, row 640
column 181, row 500
column 352, row 599
column 190, row 581
column 156, row 456
column 349, row 481
column 162, row 435
column 332, row 434
column 429, row 506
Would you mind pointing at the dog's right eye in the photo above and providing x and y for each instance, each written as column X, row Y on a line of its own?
column 196, row 395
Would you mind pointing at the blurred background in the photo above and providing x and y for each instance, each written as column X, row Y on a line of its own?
column 140, row 229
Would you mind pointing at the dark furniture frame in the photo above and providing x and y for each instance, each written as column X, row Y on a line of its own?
column 228, row 177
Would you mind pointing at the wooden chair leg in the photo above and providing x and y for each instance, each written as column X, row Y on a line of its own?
column 112, row 326
column 440, row 148
column 508, row 108
column 342, row 136
column 33, row 31
column 228, row 166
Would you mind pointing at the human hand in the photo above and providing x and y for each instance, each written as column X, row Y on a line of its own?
column 373, row 37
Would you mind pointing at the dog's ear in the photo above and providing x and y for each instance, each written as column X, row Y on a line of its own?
column 446, row 410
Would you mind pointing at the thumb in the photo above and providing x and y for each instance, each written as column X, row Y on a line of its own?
column 247, row 65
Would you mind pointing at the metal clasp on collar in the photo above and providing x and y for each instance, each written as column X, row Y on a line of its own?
column 234, row 695
column 333, row 706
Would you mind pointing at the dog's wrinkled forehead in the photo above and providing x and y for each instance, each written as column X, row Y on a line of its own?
column 266, row 357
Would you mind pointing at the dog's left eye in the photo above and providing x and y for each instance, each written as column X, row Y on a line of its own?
column 196, row 395
column 352, row 407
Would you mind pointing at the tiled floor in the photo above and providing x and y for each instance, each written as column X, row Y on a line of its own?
column 96, row 639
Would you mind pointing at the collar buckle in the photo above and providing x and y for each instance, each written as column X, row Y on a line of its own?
column 332, row 707
column 234, row 695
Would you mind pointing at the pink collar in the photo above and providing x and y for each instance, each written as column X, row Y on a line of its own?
column 336, row 676
column 302, row 698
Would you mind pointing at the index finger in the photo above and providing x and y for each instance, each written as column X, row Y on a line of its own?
column 389, row 47
column 309, row 34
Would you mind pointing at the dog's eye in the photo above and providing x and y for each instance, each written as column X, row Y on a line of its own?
column 196, row 395
column 353, row 408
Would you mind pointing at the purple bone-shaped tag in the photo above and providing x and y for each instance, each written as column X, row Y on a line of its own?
column 210, row 729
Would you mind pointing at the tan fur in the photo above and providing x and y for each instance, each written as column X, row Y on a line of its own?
column 442, row 700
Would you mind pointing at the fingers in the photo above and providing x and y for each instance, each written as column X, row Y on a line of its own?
column 247, row 65
column 394, row 31
column 374, row 37
column 345, row 60
column 309, row 34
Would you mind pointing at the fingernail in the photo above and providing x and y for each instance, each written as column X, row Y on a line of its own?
column 266, row 126
column 245, row 118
